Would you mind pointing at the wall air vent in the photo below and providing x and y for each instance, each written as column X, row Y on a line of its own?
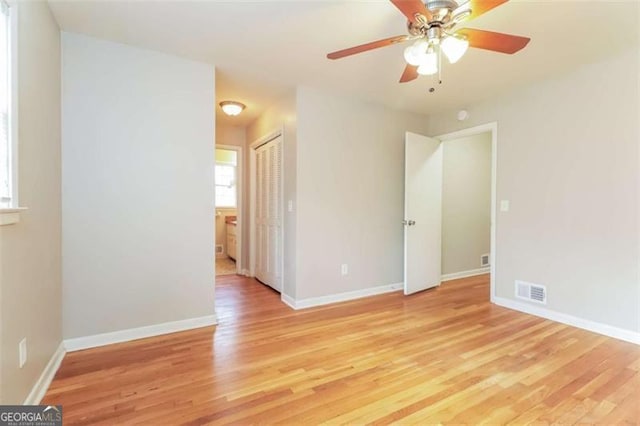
column 484, row 260
column 531, row 292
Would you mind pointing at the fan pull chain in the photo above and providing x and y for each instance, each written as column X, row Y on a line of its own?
column 439, row 64
column 433, row 89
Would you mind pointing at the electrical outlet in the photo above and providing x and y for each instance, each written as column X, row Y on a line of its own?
column 22, row 352
column 290, row 206
column 344, row 269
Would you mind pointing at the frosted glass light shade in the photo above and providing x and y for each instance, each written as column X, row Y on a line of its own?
column 414, row 54
column 231, row 107
column 429, row 65
column 454, row 47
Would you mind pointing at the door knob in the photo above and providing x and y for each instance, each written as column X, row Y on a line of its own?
column 408, row 222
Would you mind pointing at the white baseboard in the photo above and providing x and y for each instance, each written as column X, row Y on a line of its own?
column 42, row 385
column 340, row 297
column 288, row 300
column 596, row 327
column 466, row 274
column 245, row 272
column 96, row 340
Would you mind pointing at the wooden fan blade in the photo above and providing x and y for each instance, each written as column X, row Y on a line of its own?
column 411, row 8
column 497, row 42
column 410, row 73
column 368, row 46
column 479, row 7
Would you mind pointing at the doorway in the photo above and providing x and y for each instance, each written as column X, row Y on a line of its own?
column 466, row 206
column 457, row 224
column 228, row 199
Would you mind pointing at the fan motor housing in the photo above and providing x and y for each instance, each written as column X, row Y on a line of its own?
column 441, row 11
column 436, row 5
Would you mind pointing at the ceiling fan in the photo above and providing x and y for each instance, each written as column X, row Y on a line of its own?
column 431, row 26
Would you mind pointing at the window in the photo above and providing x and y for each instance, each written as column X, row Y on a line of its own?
column 225, row 185
column 226, row 190
column 8, row 116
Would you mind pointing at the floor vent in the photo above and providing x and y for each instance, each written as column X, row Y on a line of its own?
column 484, row 260
column 219, row 249
column 531, row 292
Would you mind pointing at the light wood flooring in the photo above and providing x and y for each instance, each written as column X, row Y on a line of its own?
column 442, row 356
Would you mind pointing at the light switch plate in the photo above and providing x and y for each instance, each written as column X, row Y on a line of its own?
column 290, row 206
column 504, row 205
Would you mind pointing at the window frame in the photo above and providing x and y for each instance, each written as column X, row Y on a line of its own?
column 235, row 185
column 9, row 208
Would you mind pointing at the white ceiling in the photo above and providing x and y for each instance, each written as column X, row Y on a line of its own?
column 263, row 48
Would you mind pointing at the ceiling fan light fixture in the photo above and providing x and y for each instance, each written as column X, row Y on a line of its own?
column 454, row 48
column 431, row 27
column 429, row 65
column 414, row 54
column 232, row 108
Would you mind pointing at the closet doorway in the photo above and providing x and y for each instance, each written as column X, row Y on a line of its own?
column 267, row 210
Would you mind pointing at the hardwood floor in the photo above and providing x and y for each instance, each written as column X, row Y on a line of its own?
column 442, row 356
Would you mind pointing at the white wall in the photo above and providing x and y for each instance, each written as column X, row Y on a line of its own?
column 282, row 115
column 350, row 191
column 568, row 163
column 137, row 185
column 466, row 202
column 30, row 251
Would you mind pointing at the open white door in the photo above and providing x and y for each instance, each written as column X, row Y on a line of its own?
column 422, row 213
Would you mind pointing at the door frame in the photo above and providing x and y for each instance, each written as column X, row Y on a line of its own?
column 252, row 201
column 472, row 131
column 239, row 199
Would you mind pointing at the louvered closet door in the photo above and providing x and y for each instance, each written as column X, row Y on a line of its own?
column 269, row 213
